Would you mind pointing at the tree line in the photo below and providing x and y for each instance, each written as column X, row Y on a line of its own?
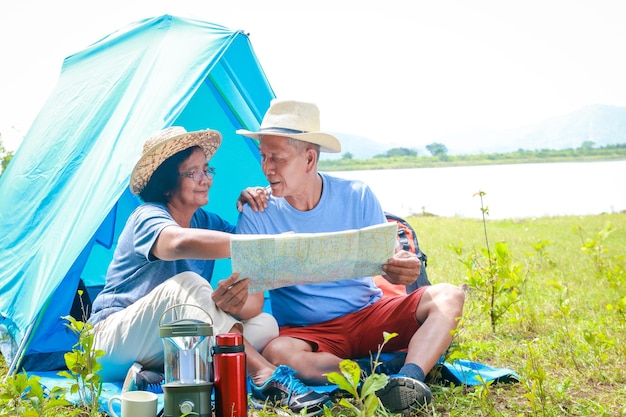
column 5, row 156
column 409, row 158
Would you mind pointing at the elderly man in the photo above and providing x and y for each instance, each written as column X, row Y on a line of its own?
column 321, row 324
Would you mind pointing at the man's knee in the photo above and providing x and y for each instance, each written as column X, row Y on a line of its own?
column 454, row 293
column 447, row 297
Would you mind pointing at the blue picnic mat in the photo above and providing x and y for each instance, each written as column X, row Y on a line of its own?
column 459, row 372
column 109, row 389
column 465, row 372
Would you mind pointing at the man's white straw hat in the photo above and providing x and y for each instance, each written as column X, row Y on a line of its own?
column 165, row 143
column 294, row 119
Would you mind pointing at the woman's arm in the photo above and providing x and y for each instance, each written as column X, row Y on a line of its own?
column 175, row 242
column 231, row 295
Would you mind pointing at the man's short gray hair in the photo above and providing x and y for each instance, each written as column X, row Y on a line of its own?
column 301, row 146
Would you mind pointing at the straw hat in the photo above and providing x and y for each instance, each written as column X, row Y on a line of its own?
column 294, row 119
column 165, row 143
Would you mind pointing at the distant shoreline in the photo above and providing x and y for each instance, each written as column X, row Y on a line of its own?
column 617, row 152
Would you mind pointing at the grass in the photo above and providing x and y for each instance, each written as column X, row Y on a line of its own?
column 569, row 349
column 565, row 330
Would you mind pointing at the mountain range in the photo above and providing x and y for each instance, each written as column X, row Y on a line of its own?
column 601, row 124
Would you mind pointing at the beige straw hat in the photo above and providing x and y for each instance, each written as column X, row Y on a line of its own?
column 295, row 119
column 165, row 143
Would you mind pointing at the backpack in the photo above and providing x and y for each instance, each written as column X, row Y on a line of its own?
column 408, row 240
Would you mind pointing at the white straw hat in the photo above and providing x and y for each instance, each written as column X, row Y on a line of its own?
column 165, row 143
column 294, row 119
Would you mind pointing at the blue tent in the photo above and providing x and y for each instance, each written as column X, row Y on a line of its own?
column 64, row 197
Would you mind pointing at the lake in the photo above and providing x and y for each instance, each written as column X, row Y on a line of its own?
column 511, row 191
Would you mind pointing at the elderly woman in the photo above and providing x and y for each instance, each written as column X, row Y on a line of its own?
column 165, row 258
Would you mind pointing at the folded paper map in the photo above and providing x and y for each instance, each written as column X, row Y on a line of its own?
column 273, row 261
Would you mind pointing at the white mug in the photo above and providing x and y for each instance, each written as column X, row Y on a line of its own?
column 135, row 404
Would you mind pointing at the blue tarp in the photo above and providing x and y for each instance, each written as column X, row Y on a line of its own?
column 64, row 197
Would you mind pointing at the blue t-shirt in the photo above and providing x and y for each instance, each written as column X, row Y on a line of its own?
column 134, row 272
column 344, row 205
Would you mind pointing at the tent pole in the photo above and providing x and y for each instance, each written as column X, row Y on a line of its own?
column 21, row 350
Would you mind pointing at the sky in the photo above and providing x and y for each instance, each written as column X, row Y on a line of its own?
column 404, row 72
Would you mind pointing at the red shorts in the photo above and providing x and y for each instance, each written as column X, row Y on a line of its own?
column 357, row 334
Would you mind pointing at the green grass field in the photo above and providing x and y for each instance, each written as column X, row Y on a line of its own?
column 559, row 287
column 565, row 334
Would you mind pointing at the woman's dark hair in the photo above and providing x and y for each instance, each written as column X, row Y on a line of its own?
column 165, row 179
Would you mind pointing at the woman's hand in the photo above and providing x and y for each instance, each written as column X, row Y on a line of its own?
column 231, row 294
column 256, row 197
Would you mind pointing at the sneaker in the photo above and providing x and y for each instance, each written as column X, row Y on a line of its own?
column 404, row 395
column 284, row 390
column 139, row 379
column 150, row 381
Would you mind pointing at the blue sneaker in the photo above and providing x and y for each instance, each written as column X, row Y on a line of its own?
column 404, row 395
column 150, row 381
column 284, row 390
column 139, row 379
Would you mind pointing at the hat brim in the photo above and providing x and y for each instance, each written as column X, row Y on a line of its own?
column 209, row 140
column 328, row 143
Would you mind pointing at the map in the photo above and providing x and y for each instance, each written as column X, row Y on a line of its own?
column 273, row 261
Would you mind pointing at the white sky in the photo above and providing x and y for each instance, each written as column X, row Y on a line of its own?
column 395, row 71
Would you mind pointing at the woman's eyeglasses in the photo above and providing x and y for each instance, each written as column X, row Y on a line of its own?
column 198, row 175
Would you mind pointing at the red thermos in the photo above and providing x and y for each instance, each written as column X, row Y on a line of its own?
column 229, row 378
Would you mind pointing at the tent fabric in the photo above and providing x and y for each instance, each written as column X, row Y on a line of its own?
column 65, row 198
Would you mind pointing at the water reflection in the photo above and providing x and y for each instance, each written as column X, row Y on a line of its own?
column 512, row 191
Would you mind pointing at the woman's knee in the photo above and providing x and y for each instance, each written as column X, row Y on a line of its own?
column 187, row 279
column 183, row 287
column 260, row 330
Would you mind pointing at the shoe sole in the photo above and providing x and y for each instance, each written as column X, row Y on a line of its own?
column 404, row 395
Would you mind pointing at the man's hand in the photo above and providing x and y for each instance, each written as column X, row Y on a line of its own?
column 231, row 294
column 403, row 268
column 256, row 197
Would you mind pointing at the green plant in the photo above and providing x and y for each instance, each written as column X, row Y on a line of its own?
column 82, row 364
column 493, row 275
column 23, row 395
column 364, row 402
column 596, row 248
column 535, row 383
column 612, row 269
column 541, row 254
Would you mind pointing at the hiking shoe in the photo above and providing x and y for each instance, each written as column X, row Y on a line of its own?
column 284, row 390
column 139, row 379
column 404, row 395
column 150, row 381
